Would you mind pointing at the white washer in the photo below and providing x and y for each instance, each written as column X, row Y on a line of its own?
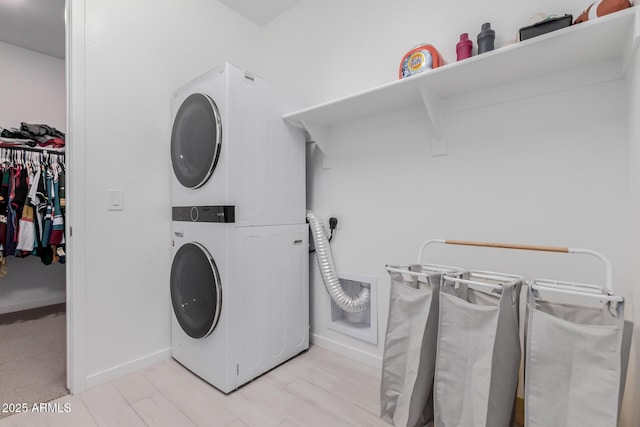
column 230, row 147
column 239, row 274
column 240, row 299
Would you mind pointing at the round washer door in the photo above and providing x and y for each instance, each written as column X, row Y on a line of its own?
column 196, row 139
column 196, row 294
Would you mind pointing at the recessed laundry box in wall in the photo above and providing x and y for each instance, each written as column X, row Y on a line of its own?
column 362, row 325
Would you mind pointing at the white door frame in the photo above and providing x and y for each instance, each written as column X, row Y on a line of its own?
column 75, row 218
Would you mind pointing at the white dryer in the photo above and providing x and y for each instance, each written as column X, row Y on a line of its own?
column 240, row 299
column 239, row 276
column 230, row 147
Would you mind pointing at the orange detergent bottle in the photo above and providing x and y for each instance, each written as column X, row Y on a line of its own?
column 419, row 59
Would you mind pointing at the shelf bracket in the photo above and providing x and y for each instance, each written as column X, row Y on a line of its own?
column 432, row 107
column 319, row 135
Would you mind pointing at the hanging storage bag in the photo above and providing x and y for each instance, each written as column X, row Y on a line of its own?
column 478, row 354
column 408, row 362
column 574, row 360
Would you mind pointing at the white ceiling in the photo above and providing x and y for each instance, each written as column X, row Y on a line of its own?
column 34, row 24
column 39, row 24
column 260, row 11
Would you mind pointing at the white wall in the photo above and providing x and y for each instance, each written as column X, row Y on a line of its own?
column 30, row 284
column 32, row 90
column 548, row 170
column 331, row 48
column 633, row 120
column 126, row 60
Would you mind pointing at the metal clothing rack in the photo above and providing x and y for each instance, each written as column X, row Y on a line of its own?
column 565, row 288
column 31, row 155
column 550, row 344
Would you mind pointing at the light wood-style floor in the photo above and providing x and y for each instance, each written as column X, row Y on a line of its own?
column 317, row 388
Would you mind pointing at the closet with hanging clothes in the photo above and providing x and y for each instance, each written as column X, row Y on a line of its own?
column 32, row 205
column 32, row 139
column 32, row 221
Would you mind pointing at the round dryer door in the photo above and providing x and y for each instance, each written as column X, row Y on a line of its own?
column 196, row 294
column 196, row 139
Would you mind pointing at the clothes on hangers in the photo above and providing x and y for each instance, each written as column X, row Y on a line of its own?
column 26, row 228
column 31, row 214
column 57, row 226
column 10, row 241
column 26, row 234
column 4, row 197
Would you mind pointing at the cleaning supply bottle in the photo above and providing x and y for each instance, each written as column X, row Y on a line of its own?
column 421, row 58
column 464, row 46
column 486, row 38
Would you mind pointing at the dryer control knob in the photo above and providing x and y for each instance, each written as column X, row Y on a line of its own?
column 194, row 214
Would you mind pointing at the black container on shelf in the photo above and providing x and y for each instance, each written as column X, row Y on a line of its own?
column 545, row 26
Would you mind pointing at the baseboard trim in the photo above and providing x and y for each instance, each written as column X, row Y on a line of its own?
column 347, row 351
column 36, row 303
column 127, row 368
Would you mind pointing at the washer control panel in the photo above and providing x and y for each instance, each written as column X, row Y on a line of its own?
column 204, row 213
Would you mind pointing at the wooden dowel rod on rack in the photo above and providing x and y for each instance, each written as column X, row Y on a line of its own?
column 508, row 246
column 556, row 249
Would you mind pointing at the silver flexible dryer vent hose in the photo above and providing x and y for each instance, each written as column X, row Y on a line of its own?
column 328, row 271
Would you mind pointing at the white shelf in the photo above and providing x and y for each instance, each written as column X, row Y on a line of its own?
column 37, row 148
column 610, row 40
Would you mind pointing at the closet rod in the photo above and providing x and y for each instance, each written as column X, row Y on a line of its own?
column 556, row 249
column 35, row 149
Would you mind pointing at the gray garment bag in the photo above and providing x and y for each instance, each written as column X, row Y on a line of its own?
column 575, row 363
column 478, row 356
column 408, row 362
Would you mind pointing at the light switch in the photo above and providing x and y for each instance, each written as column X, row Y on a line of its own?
column 115, row 200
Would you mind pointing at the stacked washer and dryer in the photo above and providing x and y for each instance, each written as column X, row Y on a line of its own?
column 239, row 274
